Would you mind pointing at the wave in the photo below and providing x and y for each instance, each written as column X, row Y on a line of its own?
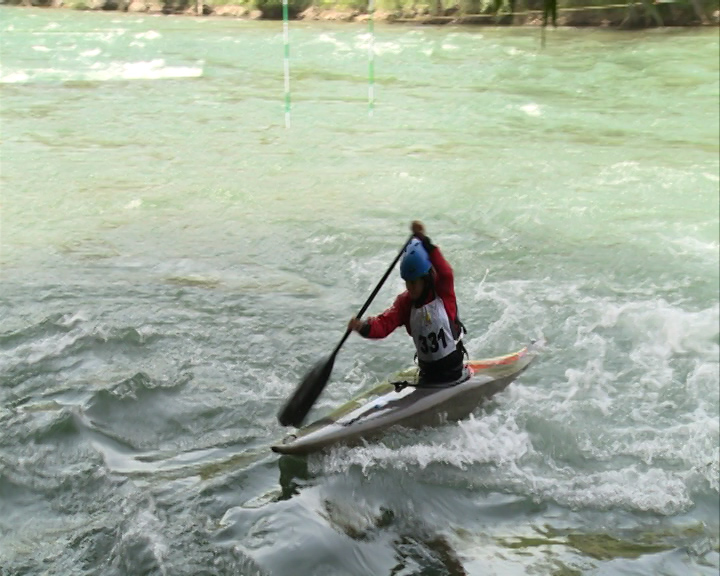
column 52, row 338
column 54, row 323
column 128, row 391
column 36, row 355
column 620, row 412
column 156, row 69
column 504, row 459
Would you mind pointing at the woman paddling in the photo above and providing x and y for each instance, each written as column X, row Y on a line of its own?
column 427, row 309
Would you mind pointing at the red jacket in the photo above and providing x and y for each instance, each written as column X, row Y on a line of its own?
column 399, row 313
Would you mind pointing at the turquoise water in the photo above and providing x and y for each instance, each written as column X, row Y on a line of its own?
column 174, row 260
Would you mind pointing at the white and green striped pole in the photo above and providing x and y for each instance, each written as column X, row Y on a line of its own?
column 371, row 59
column 286, row 62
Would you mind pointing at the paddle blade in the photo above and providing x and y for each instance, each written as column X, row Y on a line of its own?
column 300, row 403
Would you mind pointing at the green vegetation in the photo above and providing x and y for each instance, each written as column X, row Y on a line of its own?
column 272, row 9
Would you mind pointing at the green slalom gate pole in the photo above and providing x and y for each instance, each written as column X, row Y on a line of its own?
column 286, row 61
column 371, row 59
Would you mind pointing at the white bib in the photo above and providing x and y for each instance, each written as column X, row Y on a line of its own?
column 430, row 329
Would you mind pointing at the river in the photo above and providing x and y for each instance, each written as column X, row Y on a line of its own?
column 174, row 259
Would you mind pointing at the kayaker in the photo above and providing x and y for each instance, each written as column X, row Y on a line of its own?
column 427, row 309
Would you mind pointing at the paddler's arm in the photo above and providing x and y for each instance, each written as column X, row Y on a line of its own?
column 384, row 324
column 444, row 277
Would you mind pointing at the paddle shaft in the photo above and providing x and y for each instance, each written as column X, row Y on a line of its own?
column 300, row 403
column 372, row 295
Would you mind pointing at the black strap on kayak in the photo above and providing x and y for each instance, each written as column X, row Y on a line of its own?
column 401, row 385
column 460, row 346
column 459, row 342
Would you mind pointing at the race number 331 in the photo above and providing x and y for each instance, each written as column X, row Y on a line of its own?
column 431, row 342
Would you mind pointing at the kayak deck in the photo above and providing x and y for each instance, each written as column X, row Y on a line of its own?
column 407, row 404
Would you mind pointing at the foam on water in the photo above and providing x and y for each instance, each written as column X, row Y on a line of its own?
column 493, row 439
column 502, row 457
column 18, row 77
column 327, row 38
column 104, row 72
column 141, row 546
column 687, row 246
column 622, row 415
column 380, row 48
column 149, row 35
column 532, row 109
column 96, row 53
column 148, row 70
column 51, row 346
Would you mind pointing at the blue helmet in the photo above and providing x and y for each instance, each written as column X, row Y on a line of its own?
column 415, row 262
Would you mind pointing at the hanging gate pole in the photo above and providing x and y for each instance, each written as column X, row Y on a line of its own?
column 286, row 61
column 371, row 59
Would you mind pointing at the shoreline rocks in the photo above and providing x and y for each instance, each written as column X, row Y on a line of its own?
column 638, row 15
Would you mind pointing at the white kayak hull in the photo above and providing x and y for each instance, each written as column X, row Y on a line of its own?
column 386, row 405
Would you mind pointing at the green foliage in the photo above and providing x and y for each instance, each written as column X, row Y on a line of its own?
column 273, row 9
column 216, row 3
column 347, row 5
column 176, row 6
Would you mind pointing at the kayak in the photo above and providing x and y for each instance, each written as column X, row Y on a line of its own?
column 400, row 401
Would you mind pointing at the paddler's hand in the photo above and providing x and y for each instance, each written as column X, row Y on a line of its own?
column 355, row 324
column 418, row 230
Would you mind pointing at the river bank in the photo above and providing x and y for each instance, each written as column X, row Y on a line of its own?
column 633, row 15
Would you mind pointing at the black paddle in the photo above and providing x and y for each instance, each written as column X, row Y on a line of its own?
column 300, row 403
